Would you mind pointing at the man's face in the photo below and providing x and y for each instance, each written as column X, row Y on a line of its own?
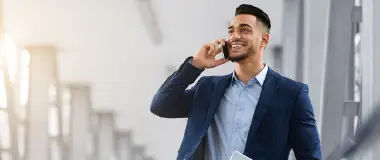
column 244, row 37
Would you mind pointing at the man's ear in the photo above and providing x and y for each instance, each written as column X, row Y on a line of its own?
column 265, row 40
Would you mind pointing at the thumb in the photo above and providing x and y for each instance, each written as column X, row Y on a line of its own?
column 221, row 61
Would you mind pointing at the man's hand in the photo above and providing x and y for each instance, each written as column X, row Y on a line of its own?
column 205, row 57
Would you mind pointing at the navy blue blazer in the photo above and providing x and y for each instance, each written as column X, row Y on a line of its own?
column 283, row 119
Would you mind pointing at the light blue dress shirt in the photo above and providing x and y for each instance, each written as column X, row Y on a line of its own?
column 232, row 121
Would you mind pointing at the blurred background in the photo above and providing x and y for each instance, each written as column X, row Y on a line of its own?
column 77, row 76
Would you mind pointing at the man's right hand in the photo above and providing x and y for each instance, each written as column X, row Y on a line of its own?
column 205, row 57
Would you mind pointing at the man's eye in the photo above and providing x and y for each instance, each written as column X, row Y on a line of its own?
column 244, row 30
column 230, row 31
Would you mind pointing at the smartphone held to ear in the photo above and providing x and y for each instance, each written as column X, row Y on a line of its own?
column 225, row 50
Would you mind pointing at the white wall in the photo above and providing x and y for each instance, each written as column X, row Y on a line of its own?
column 105, row 43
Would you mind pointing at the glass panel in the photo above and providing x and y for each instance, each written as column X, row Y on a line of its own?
column 4, row 130
column 66, row 119
column 53, row 122
column 3, row 96
column 21, row 140
column 357, row 64
column 114, row 157
column 66, row 111
column 11, row 56
column 94, row 122
column 53, row 94
column 355, row 123
column 66, row 139
column 358, row 2
column 24, row 79
column 90, row 144
column 21, row 113
column 6, row 156
column 66, row 96
column 55, row 151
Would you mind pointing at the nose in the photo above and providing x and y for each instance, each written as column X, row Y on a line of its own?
column 235, row 36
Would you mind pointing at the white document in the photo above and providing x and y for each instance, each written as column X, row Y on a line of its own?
column 238, row 156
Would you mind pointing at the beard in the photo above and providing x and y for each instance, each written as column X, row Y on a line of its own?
column 239, row 58
column 243, row 56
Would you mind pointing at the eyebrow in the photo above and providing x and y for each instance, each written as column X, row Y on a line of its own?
column 240, row 25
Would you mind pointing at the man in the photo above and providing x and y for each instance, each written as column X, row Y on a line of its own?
column 254, row 110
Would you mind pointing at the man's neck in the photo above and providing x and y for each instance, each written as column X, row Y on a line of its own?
column 248, row 68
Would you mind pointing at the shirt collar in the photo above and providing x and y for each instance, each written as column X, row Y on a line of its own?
column 260, row 78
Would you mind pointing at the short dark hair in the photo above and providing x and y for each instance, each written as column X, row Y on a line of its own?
column 255, row 11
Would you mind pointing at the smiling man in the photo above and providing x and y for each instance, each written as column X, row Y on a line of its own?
column 254, row 110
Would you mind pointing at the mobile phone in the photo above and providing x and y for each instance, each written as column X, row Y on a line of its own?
column 225, row 50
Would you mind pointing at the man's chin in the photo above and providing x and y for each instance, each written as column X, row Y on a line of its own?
column 238, row 58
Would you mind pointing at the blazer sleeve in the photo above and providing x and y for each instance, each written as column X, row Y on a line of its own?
column 172, row 99
column 304, row 135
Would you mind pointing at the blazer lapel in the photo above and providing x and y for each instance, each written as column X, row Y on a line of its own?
column 217, row 95
column 267, row 97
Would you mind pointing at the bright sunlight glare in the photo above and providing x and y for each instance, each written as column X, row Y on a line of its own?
column 17, row 64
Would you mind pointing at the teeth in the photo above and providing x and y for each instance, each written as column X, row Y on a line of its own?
column 236, row 45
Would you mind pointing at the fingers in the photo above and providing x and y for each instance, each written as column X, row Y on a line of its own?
column 221, row 61
column 220, row 41
column 216, row 47
column 211, row 50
